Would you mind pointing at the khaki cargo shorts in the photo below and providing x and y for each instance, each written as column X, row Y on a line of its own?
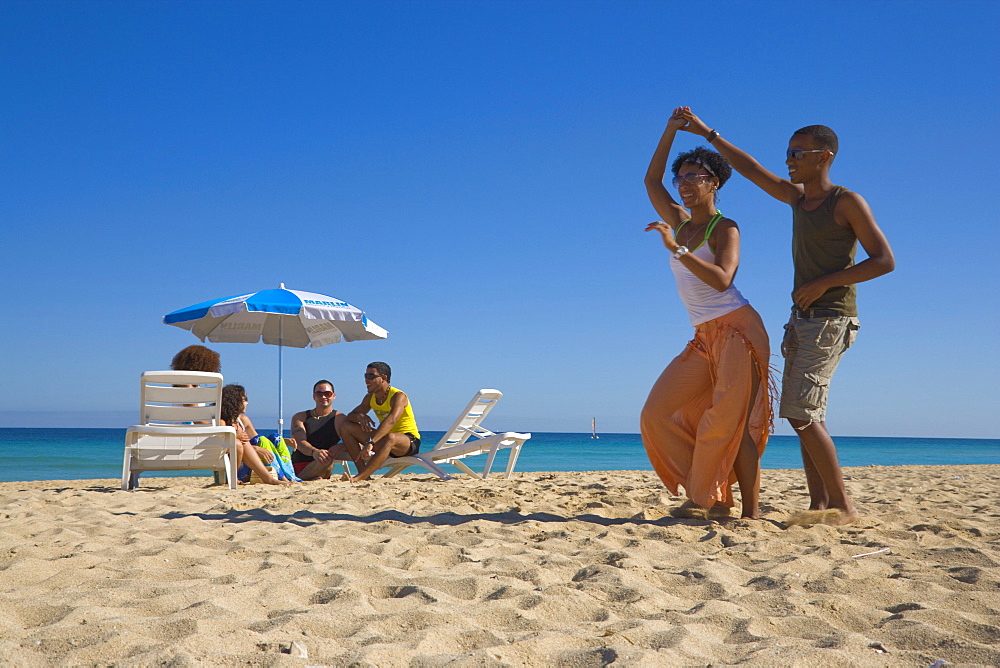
column 812, row 348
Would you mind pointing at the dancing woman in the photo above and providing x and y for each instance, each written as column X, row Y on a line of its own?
column 707, row 419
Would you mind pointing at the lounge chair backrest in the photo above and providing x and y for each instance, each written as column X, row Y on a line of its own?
column 180, row 398
column 455, row 445
column 180, row 428
column 468, row 422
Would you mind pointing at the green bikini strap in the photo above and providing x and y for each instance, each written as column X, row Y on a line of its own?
column 711, row 226
column 708, row 230
column 683, row 223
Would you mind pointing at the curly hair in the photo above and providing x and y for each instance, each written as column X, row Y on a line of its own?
column 710, row 160
column 197, row 358
column 824, row 137
column 232, row 403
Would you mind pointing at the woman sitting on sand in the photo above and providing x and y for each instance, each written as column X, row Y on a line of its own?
column 234, row 403
column 708, row 416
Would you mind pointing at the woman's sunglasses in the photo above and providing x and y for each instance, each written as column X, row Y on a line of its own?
column 690, row 178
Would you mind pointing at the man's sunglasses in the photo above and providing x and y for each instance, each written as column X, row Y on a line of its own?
column 371, row 376
column 322, row 393
column 797, row 153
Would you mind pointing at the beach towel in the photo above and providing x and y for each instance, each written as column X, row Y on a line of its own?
column 281, row 464
column 282, row 461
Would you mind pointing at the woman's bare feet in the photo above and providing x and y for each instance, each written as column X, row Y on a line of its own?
column 719, row 511
column 271, row 480
column 689, row 510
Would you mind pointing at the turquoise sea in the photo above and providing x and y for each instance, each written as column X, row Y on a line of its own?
column 74, row 454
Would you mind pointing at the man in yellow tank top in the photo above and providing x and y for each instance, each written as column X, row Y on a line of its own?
column 396, row 433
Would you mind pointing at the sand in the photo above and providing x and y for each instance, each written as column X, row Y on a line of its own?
column 545, row 569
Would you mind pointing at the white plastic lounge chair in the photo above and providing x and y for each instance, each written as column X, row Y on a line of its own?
column 466, row 438
column 180, row 428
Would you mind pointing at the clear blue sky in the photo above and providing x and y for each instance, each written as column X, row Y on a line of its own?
column 470, row 174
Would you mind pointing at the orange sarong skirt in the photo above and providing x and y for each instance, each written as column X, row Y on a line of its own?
column 696, row 414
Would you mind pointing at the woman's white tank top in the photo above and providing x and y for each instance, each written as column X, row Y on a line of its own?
column 704, row 302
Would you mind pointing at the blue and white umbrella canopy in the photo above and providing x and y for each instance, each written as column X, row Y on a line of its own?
column 279, row 317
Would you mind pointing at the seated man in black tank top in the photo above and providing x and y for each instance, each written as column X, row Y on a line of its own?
column 317, row 435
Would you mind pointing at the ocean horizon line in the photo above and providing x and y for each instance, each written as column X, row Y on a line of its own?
column 267, row 430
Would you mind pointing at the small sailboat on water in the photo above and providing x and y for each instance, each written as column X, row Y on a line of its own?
column 593, row 428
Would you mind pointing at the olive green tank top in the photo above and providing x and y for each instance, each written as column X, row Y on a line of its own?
column 819, row 247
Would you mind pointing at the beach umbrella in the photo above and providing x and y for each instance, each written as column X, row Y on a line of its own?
column 278, row 317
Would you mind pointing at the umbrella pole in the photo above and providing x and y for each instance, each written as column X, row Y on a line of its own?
column 281, row 404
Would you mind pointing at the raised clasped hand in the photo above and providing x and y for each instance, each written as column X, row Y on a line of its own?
column 677, row 121
column 692, row 123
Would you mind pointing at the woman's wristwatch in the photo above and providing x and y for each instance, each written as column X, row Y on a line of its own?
column 681, row 252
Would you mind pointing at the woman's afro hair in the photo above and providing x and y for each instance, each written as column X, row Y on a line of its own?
column 715, row 162
column 197, row 358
